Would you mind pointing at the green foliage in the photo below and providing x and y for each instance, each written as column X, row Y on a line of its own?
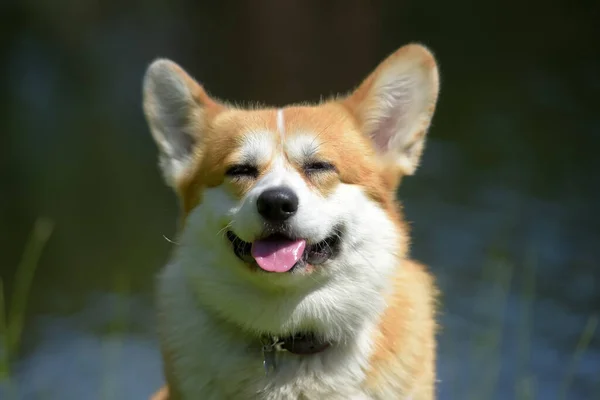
column 12, row 321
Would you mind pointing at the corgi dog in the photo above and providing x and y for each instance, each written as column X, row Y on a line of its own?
column 290, row 276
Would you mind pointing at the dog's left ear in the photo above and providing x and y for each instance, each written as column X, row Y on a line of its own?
column 394, row 105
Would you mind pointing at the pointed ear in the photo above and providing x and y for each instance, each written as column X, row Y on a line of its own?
column 395, row 104
column 176, row 109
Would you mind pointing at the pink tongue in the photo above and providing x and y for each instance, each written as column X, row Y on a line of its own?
column 277, row 255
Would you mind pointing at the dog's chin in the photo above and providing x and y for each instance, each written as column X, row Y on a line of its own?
column 314, row 255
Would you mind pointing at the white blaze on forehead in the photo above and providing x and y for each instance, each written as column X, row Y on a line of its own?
column 281, row 123
column 302, row 146
column 257, row 147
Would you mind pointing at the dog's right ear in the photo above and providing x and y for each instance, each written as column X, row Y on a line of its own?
column 176, row 108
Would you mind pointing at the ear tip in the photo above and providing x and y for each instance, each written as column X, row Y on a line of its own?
column 418, row 53
column 158, row 69
column 165, row 76
column 162, row 64
column 417, row 47
column 419, row 56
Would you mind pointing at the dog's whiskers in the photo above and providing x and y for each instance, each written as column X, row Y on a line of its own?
column 224, row 230
column 170, row 241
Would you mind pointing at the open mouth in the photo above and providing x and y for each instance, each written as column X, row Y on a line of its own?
column 280, row 253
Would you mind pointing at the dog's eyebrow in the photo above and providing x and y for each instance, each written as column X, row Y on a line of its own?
column 256, row 147
column 309, row 151
column 249, row 159
column 303, row 146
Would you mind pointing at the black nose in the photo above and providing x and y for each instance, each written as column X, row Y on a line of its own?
column 277, row 204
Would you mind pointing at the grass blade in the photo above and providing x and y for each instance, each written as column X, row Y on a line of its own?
column 23, row 279
column 582, row 345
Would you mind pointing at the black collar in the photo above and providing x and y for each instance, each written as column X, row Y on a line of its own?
column 301, row 344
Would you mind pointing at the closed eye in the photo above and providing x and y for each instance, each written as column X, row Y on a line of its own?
column 242, row 170
column 318, row 166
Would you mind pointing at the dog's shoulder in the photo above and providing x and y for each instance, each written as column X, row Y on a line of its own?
column 162, row 394
column 404, row 356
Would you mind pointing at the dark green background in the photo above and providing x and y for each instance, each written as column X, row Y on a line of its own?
column 508, row 188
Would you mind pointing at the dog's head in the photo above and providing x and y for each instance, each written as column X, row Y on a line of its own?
column 295, row 196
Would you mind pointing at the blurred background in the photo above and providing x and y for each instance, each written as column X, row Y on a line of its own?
column 504, row 208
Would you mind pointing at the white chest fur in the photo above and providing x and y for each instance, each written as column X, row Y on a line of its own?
column 213, row 309
column 213, row 360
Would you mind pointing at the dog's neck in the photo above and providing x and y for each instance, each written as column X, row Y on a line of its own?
column 305, row 343
column 300, row 344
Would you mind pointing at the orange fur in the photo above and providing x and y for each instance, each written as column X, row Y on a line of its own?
column 162, row 394
column 222, row 132
column 343, row 145
column 405, row 345
column 404, row 355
